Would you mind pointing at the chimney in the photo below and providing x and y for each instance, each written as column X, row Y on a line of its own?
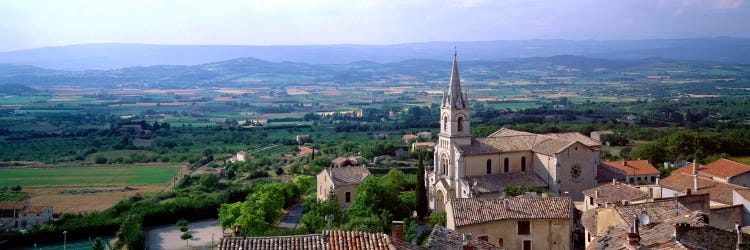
column 657, row 180
column 695, row 167
column 633, row 237
column 596, row 194
column 680, row 228
column 624, row 162
column 397, row 230
column 505, row 203
column 687, row 192
column 614, row 182
column 237, row 230
column 739, row 235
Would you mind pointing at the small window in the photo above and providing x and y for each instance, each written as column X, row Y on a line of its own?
column 524, row 228
column 489, row 166
column 500, row 242
column 523, row 163
column 591, row 201
column 526, row 245
column 639, row 178
column 631, row 180
column 506, row 165
column 445, row 123
column 348, row 197
column 483, row 238
column 653, row 179
column 460, row 124
column 588, row 237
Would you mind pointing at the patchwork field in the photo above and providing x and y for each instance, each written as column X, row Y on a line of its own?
column 87, row 176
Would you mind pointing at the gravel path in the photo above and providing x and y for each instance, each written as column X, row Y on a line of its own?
column 168, row 237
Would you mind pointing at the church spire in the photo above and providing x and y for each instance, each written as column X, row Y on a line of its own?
column 455, row 96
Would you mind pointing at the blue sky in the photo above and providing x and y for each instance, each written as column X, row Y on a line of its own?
column 35, row 23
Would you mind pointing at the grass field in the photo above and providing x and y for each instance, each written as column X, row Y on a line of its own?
column 86, row 176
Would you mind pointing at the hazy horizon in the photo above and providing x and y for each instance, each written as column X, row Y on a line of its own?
column 34, row 24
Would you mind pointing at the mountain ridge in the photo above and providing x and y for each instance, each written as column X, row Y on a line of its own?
column 104, row 56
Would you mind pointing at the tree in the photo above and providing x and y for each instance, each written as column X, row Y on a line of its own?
column 97, row 244
column 209, row 180
column 186, row 236
column 422, row 207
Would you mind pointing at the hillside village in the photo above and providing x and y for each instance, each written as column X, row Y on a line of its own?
column 568, row 198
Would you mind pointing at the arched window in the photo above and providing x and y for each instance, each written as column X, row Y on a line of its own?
column 445, row 165
column 460, row 124
column 523, row 163
column 506, row 165
column 489, row 166
column 445, row 123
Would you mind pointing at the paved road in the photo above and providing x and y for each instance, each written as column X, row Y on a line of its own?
column 292, row 218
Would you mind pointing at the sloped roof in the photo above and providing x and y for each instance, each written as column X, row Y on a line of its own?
column 496, row 183
column 718, row 191
column 639, row 167
column 13, row 205
column 348, row 175
column 508, row 140
column 339, row 160
column 331, row 239
column 467, row 211
column 656, row 210
column 611, row 193
column 444, row 238
column 658, row 235
column 725, row 168
column 35, row 209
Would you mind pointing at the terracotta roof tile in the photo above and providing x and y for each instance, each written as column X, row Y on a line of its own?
column 656, row 210
column 444, row 238
column 611, row 193
column 588, row 141
column 348, row 175
column 507, row 140
column 725, row 168
column 718, row 191
column 13, row 205
column 467, row 211
column 639, row 167
column 332, row 239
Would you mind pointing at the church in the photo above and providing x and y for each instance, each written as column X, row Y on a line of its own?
column 564, row 164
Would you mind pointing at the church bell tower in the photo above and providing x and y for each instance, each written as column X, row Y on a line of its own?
column 455, row 125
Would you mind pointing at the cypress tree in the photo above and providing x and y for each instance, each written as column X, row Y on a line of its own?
column 422, row 208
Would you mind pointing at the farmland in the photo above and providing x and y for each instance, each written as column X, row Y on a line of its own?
column 87, row 176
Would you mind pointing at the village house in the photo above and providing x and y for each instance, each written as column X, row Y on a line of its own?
column 679, row 183
column 424, row 146
column 328, row 240
column 425, row 136
column 722, row 170
column 514, row 222
column 408, row 137
column 343, row 182
column 612, row 193
column 21, row 214
column 633, row 172
column 663, row 224
column 564, row 163
column 241, row 156
column 302, row 139
column 341, row 162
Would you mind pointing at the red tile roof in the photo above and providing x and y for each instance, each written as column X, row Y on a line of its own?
column 13, row 205
column 718, row 191
column 467, row 211
column 611, row 193
column 333, row 240
column 639, row 167
column 726, row 168
column 444, row 238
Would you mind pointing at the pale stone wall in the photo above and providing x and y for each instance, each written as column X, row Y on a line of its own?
column 544, row 167
column 576, row 154
column 31, row 219
column 325, row 184
column 545, row 233
column 738, row 199
column 740, row 180
column 607, row 218
column 725, row 218
column 476, row 165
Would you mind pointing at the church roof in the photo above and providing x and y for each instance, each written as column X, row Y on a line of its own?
column 348, row 175
column 508, row 140
column 496, row 183
column 455, row 98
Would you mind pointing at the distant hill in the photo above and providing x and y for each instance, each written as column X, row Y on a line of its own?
column 16, row 89
column 113, row 56
column 251, row 71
